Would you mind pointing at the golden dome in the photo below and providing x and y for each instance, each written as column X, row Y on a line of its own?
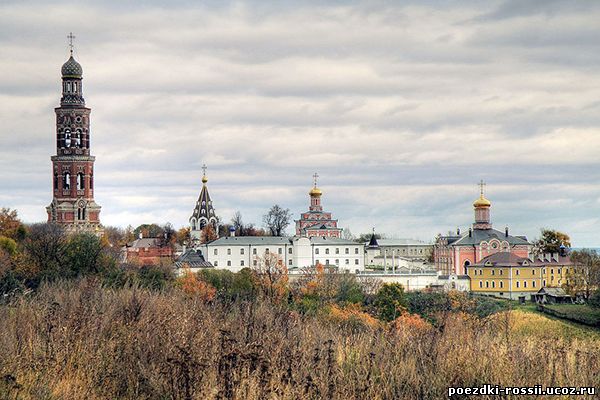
column 204, row 179
column 315, row 191
column 482, row 202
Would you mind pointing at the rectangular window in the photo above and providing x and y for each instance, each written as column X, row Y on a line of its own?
column 242, row 263
column 267, row 250
column 337, row 261
column 356, row 250
column 255, row 263
column 356, row 261
column 216, row 252
column 290, row 250
column 228, row 252
column 290, row 262
column 216, row 263
column 242, row 251
column 280, row 250
column 337, row 250
column 229, row 263
column 347, row 250
column 317, row 250
column 347, row 261
column 254, row 251
column 327, row 251
column 327, row 262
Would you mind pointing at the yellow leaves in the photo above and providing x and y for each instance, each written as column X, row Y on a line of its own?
column 352, row 314
column 191, row 285
column 410, row 322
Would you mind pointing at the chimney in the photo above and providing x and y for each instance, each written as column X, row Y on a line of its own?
column 141, row 236
column 506, row 231
column 470, row 232
column 457, row 231
column 232, row 231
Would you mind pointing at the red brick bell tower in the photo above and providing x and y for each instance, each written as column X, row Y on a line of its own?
column 73, row 202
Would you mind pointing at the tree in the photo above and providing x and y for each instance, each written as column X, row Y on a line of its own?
column 390, row 301
column 365, row 237
column 209, row 234
column 82, row 255
column 550, row 241
column 149, row 231
column 10, row 225
column 277, row 220
column 45, row 248
column 272, row 276
column 115, row 236
column 347, row 234
column 182, row 236
column 585, row 274
column 237, row 223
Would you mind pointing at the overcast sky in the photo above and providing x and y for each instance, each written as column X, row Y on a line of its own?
column 401, row 107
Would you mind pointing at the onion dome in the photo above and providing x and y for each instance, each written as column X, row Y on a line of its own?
column 71, row 69
column 315, row 191
column 204, row 179
column 482, row 202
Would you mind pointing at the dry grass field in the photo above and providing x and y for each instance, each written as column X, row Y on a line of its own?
column 78, row 340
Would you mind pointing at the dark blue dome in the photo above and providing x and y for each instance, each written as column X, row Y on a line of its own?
column 71, row 69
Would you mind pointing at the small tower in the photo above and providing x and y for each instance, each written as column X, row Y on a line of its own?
column 482, row 210
column 316, row 222
column 73, row 204
column 203, row 214
column 315, row 196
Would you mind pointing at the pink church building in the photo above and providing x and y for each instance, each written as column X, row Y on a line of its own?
column 454, row 253
column 316, row 222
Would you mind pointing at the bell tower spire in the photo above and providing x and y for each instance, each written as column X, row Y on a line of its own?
column 73, row 202
column 482, row 210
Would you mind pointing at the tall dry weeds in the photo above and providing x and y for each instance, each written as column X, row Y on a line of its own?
column 80, row 341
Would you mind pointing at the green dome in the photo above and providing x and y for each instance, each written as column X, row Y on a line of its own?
column 71, row 69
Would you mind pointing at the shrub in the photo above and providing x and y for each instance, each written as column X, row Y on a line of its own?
column 390, row 301
column 594, row 300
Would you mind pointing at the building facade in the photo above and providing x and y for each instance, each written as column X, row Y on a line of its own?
column 316, row 222
column 398, row 254
column 73, row 204
column 507, row 275
column 453, row 254
column 237, row 252
column 204, row 214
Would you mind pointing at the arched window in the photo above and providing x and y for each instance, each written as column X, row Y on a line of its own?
column 80, row 181
column 67, row 138
column 77, row 138
column 66, row 181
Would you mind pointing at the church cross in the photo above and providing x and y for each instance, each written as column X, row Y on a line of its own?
column 482, row 185
column 204, row 169
column 70, row 36
column 315, row 176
